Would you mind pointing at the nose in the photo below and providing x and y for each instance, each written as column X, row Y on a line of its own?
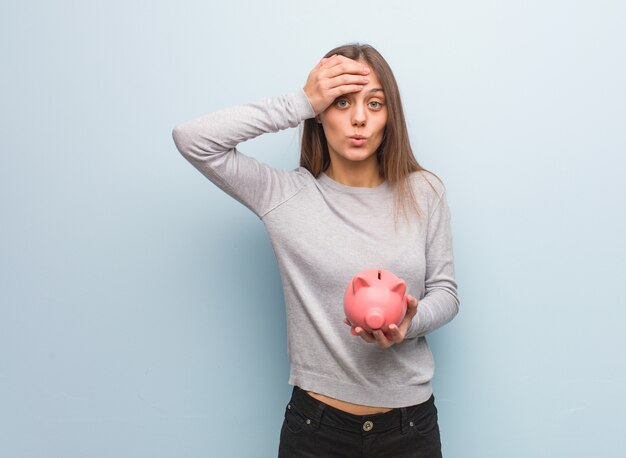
column 358, row 115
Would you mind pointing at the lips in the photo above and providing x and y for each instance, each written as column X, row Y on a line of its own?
column 357, row 140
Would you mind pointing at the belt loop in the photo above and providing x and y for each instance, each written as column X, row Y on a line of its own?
column 403, row 421
column 317, row 419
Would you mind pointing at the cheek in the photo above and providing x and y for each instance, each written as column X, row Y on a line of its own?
column 330, row 119
column 331, row 127
column 381, row 129
column 382, row 125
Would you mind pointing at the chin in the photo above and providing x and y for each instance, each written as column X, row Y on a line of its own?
column 361, row 156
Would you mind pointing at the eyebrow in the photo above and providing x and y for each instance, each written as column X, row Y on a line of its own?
column 375, row 89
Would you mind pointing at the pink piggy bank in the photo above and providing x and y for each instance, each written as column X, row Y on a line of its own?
column 374, row 299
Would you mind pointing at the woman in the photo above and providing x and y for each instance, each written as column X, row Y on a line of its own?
column 354, row 392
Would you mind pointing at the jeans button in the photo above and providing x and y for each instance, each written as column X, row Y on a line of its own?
column 368, row 425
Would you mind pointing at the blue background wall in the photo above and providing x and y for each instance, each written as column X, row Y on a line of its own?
column 141, row 308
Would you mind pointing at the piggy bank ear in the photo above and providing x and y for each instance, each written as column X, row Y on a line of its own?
column 359, row 282
column 399, row 287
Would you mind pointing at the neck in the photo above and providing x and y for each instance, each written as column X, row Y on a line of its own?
column 359, row 175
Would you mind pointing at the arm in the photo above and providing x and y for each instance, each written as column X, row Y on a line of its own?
column 209, row 144
column 440, row 303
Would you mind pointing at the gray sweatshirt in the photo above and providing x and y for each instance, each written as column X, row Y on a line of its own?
column 323, row 232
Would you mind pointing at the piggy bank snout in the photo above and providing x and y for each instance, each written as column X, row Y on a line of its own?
column 375, row 318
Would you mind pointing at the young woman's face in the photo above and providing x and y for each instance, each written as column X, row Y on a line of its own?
column 358, row 114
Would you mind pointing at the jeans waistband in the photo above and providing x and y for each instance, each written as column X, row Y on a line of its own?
column 319, row 413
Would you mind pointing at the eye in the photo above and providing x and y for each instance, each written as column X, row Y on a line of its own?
column 343, row 103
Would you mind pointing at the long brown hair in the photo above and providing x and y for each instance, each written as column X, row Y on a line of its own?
column 395, row 156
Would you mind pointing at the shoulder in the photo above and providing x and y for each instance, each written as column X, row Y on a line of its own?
column 429, row 190
column 427, row 186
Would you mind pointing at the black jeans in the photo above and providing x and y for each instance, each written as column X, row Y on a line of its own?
column 314, row 429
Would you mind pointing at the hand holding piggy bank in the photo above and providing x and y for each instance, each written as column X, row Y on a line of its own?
column 374, row 299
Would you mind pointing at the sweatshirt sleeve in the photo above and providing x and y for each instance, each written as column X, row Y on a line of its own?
column 209, row 144
column 440, row 302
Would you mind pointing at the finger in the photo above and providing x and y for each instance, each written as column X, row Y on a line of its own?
column 346, row 80
column 339, row 65
column 341, row 90
column 342, row 74
column 345, row 68
column 323, row 61
column 411, row 305
column 381, row 339
column 406, row 322
column 364, row 334
column 337, row 59
column 396, row 334
column 328, row 61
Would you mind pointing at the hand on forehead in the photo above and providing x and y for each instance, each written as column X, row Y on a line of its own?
column 332, row 77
